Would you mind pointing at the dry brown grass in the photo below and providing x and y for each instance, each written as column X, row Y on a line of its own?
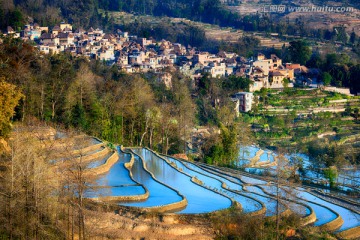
column 103, row 223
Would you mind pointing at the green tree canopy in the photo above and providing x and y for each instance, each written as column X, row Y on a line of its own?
column 326, row 77
column 299, row 51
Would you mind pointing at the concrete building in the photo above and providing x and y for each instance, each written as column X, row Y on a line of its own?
column 201, row 57
column 264, row 64
column 65, row 27
column 243, row 101
column 44, row 49
column 216, row 69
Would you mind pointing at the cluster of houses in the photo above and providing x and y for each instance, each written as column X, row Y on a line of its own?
column 135, row 54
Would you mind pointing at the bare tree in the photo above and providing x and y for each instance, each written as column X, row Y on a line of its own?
column 74, row 184
column 26, row 185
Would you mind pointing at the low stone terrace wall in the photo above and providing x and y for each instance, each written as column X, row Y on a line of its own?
column 132, row 198
column 93, row 156
column 334, row 224
column 106, row 166
column 86, row 149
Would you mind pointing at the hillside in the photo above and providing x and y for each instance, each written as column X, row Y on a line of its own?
column 84, row 13
column 210, row 11
column 296, row 12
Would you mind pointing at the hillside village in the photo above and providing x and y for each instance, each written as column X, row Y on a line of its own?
column 134, row 54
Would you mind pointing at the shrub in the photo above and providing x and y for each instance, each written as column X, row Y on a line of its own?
column 233, row 224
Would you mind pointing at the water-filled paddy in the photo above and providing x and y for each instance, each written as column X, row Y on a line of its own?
column 118, row 174
column 324, row 209
column 346, row 177
column 116, row 182
column 256, row 193
column 351, row 219
column 177, row 174
column 215, row 182
column 267, row 156
column 200, row 200
column 247, row 152
column 159, row 194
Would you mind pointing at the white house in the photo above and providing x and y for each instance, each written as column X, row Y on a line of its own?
column 243, row 101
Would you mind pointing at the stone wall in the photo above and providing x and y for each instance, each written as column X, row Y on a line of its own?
column 197, row 181
column 311, row 218
column 106, row 166
column 133, row 198
column 94, row 156
column 86, row 149
column 64, row 148
column 130, row 164
column 345, row 91
column 262, row 211
column 169, row 207
column 121, row 147
column 85, row 158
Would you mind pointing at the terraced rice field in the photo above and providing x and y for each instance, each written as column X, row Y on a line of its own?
column 144, row 179
column 263, row 161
